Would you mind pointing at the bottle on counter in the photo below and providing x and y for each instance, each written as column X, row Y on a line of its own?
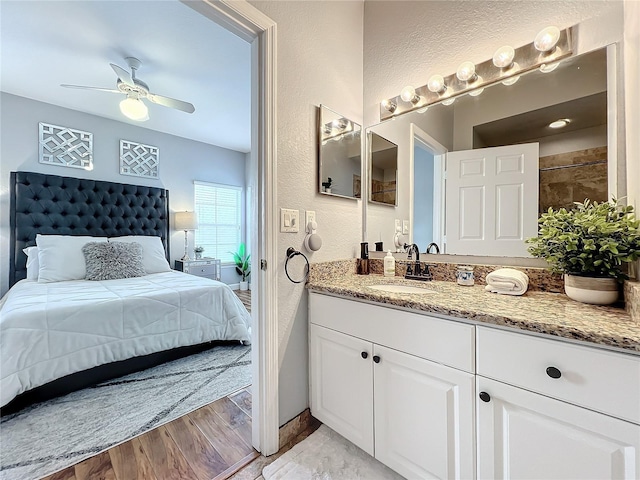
column 389, row 265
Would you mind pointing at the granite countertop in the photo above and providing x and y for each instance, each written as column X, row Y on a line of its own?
column 542, row 312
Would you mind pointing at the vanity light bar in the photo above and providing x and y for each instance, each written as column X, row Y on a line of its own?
column 526, row 58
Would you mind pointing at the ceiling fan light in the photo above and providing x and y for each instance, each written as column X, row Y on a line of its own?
column 134, row 109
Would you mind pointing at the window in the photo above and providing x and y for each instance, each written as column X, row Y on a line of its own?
column 218, row 208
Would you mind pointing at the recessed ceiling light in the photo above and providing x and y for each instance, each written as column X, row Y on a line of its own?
column 560, row 123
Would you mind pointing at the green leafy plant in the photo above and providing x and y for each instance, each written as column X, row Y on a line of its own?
column 593, row 239
column 242, row 261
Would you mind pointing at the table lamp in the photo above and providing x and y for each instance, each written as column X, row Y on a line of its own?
column 186, row 221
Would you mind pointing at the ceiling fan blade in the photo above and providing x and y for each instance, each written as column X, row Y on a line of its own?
column 123, row 75
column 82, row 87
column 171, row 103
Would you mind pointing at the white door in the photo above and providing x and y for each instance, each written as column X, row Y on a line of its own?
column 341, row 384
column 492, row 200
column 523, row 435
column 423, row 417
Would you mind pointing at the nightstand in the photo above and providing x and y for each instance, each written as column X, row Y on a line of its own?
column 206, row 267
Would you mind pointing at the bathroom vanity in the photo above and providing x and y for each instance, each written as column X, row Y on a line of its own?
column 466, row 384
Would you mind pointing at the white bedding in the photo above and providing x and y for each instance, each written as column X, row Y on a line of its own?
column 49, row 330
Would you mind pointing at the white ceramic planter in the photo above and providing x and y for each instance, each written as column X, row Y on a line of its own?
column 244, row 286
column 596, row 291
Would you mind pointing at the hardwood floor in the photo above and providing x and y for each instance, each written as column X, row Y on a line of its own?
column 213, row 442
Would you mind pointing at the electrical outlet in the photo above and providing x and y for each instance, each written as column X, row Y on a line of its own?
column 309, row 216
column 405, row 227
column 289, row 220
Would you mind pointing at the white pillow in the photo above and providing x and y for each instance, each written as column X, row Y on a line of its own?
column 61, row 257
column 32, row 262
column 153, row 256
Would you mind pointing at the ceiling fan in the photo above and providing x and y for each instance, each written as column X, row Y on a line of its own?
column 136, row 90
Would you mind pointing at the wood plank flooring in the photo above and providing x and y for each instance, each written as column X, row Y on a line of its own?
column 212, row 442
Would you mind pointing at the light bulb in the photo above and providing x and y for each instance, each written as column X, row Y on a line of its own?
column 436, row 84
column 134, row 109
column 546, row 39
column 422, row 110
column 511, row 81
column 448, row 101
column 476, row 92
column 548, row 67
column 388, row 105
column 466, row 72
column 503, row 58
column 408, row 94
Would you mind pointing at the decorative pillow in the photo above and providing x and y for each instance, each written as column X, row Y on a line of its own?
column 61, row 258
column 153, row 256
column 32, row 262
column 113, row 260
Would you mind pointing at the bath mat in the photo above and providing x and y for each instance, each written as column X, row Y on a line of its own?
column 55, row 434
column 328, row 456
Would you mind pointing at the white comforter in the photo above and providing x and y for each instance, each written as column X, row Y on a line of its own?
column 49, row 330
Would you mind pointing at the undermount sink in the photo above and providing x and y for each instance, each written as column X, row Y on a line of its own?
column 400, row 289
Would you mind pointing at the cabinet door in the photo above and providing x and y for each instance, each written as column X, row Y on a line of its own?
column 527, row 435
column 424, row 417
column 341, row 384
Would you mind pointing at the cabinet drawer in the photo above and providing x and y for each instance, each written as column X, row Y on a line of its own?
column 201, row 270
column 442, row 341
column 601, row 380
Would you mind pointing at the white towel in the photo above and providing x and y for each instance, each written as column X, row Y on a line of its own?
column 507, row 281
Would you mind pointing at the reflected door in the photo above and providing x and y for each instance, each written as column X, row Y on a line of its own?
column 492, row 200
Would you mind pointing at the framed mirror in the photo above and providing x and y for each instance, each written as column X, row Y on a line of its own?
column 383, row 170
column 576, row 161
column 339, row 158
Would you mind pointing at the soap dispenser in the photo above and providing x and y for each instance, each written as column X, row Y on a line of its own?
column 389, row 265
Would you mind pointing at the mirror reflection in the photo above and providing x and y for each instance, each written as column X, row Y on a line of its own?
column 339, row 155
column 383, row 170
column 571, row 164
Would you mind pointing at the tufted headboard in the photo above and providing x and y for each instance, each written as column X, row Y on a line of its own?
column 53, row 205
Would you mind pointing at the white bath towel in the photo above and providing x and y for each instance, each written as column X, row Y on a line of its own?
column 507, row 281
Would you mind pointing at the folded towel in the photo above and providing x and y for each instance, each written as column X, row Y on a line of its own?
column 507, row 281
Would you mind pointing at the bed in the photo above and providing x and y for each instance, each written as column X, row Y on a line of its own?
column 62, row 335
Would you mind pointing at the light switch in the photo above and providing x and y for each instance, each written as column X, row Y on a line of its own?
column 405, row 227
column 289, row 220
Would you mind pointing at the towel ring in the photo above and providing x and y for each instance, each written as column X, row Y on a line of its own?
column 292, row 252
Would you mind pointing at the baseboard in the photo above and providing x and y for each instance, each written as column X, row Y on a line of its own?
column 295, row 427
column 234, row 286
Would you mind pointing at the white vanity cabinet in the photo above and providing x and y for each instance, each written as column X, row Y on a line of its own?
column 553, row 410
column 379, row 377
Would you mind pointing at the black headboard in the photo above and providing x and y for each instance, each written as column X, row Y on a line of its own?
column 53, row 205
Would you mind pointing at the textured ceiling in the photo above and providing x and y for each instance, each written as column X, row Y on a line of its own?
column 184, row 55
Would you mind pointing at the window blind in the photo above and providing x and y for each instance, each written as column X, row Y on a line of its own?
column 218, row 208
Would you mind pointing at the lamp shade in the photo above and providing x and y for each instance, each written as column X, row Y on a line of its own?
column 186, row 221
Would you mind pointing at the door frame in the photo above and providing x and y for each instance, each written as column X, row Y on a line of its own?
column 439, row 151
column 250, row 24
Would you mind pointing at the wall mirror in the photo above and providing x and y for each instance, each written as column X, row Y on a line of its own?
column 339, row 159
column 383, row 170
column 573, row 162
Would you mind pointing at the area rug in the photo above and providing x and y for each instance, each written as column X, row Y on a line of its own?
column 326, row 455
column 52, row 435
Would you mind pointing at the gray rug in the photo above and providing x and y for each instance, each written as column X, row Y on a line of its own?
column 52, row 435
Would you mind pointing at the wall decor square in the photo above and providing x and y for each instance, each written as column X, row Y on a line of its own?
column 139, row 160
column 64, row 146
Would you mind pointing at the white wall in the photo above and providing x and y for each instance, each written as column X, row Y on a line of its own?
column 319, row 62
column 181, row 162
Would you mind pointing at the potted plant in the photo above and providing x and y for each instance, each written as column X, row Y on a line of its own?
column 243, row 265
column 198, row 251
column 327, row 185
column 589, row 244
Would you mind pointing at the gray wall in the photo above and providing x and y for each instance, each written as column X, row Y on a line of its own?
column 181, row 162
